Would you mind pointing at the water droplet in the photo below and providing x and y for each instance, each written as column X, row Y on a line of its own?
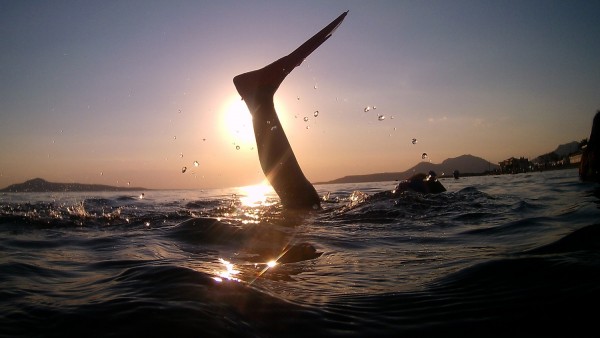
column 316, row 113
column 179, row 111
column 183, row 170
column 128, row 183
column 374, row 107
column 306, row 119
column 101, row 173
column 147, row 224
column 181, row 155
column 298, row 98
column 316, row 87
column 203, row 139
column 237, row 147
column 414, row 141
column 381, row 117
column 174, row 137
column 424, row 156
column 367, row 108
column 196, row 163
column 307, row 127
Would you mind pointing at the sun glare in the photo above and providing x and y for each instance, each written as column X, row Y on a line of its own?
column 237, row 122
column 255, row 195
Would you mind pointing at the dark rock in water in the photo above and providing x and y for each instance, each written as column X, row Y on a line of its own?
column 41, row 185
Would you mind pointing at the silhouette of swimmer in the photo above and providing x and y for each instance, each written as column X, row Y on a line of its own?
column 589, row 168
column 275, row 154
column 427, row 184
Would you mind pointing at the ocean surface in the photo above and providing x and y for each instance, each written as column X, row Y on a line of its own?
column 494, row 256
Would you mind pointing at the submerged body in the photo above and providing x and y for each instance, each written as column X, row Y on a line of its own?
column 427, row 184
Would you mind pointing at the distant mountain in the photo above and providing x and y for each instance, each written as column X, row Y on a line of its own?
column 465, row 164
column 41, row 185
column 567, row 148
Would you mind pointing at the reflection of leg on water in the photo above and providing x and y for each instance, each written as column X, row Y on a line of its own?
column 275, row 154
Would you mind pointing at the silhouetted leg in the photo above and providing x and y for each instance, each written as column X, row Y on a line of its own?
column 277, row 159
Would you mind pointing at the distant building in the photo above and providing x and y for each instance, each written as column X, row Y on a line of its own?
column 514, row 165
column 575, row 158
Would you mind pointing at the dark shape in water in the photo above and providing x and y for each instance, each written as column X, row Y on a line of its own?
column 589, row 168
column 456, row 174
column 275, row 154
column 427, row 184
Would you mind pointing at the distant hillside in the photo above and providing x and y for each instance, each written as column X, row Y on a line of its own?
column 567, row 148
column 40, row 185
column 465, row 164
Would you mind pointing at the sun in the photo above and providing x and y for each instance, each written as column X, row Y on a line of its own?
column 237, row 122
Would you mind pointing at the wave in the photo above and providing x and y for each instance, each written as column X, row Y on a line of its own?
column 479, row 260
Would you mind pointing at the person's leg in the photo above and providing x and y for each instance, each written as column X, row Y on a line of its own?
column 275, row 154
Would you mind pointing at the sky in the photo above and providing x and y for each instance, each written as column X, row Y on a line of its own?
column 134, row 92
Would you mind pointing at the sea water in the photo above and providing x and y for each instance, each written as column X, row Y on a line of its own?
column 504, row 256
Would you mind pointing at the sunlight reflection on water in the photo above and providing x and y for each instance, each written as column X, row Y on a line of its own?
column 256, row 195
column 229, row 273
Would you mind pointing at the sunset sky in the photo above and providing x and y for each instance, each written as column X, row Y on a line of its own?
column 118, row 92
